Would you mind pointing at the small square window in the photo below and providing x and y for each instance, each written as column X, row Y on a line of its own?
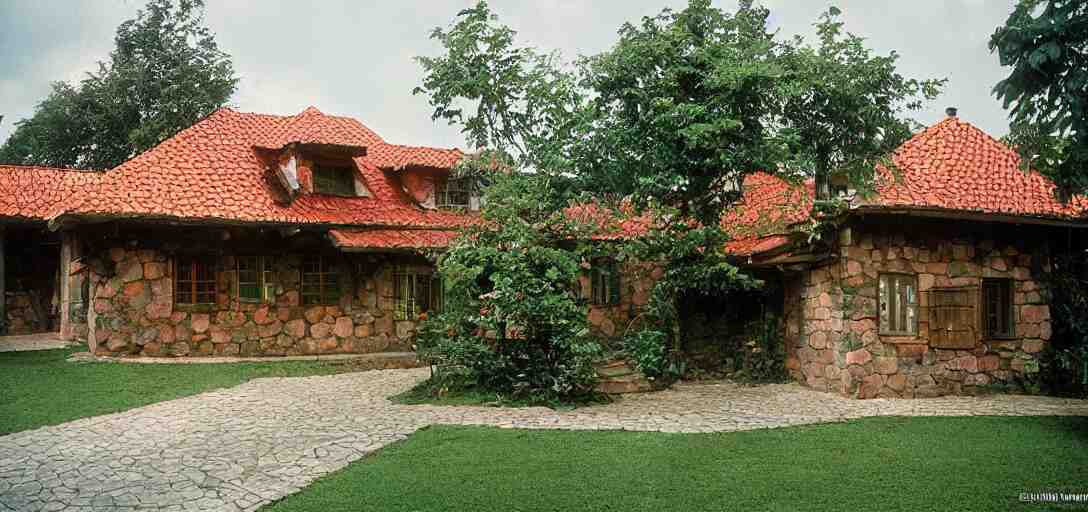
column 416, row 293
column 454, row 193
column 334, row 180
column 997, row 308
column 898, row 304
column 320, row 281
column 255, row 279
column 194, row 280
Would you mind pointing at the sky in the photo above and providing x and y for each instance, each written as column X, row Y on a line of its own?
column 355, row 57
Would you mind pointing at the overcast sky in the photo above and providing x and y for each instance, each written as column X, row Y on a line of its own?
column 354, row 58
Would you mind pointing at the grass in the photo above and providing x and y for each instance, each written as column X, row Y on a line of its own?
column 42, row 388
column 980, row 463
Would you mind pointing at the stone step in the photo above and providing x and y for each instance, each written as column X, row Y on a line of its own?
column 615, row 371
column 622, row 387
column 618, row 377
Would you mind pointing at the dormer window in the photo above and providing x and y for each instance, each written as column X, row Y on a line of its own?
column 334, row 180
column 453, row 193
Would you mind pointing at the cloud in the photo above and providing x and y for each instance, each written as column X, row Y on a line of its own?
column 355, row 58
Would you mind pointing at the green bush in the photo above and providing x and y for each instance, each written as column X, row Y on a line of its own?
column 512, row 319
column 648, row 350
column 762, row 355
column 1063, row 368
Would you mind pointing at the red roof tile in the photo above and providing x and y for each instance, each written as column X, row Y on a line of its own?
column 212, row 171
column 38, row 193
column 955, row 166
column 396, row 157
column 607, row 224
column 392, row 238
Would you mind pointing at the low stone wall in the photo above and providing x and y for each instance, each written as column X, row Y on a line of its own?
column 133, row 312
column 832, row 323
column 21, row 318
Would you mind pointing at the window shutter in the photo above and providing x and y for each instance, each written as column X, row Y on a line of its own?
column 613, row 283
column 953, row 318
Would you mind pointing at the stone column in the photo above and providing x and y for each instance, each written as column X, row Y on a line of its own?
column 67, row 254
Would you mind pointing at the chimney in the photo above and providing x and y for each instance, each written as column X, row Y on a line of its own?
column 951, row 111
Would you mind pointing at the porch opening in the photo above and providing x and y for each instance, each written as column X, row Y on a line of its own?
column 31, row 281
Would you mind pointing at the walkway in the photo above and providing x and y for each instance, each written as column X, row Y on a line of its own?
column 240, row 448
column 25, row 342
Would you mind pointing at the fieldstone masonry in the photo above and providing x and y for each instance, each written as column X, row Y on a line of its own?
column 21, row 318
column 133, row 312
column 832, row 334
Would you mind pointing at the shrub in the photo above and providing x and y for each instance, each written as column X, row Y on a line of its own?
column 1063, row 368
column 512, row 318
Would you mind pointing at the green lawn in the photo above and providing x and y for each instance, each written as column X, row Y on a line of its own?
column 41, row 388
column 875, row 464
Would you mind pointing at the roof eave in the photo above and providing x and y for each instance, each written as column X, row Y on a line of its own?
column 944, row 213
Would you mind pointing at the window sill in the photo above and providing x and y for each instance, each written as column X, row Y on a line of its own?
column 905, row 339
column 195, row 308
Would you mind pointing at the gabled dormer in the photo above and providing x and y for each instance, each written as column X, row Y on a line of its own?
column 321, row 169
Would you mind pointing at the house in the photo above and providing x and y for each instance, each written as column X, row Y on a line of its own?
column 934, row 284
column 245, row 234
column 253, row 234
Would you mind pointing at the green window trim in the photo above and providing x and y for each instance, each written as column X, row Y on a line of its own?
column 255, row 279
column 334, row 180
column 320, row 281
column 898, row 307
column 415, row 293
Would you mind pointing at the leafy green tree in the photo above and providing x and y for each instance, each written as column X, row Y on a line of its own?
column 524, row 100
column 845, row 109
column 165, row 73
column 680, row 108
column 1045, row 42
column 512, row 318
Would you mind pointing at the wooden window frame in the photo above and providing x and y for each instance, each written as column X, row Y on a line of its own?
column 449, row 187
column 328, row 281
column 897, row 277
column 187, row 292
column 264, row 279
column 1002, row 286
column 415, row 293
column 605, row 285
column 333, row 178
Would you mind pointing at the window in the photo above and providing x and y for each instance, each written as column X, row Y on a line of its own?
column 194, row 280
column 256, row 281
column 898, row 304
column 605, row 282
column 454, row 193
column 416, row 293
column 335, row 180
column 997, row 308
column 320, row 281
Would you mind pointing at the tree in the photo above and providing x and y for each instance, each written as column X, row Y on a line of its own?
column 512, row 319
column 165, row 73
column 1045, row 42
column 524, row 100
column 680, row 108
column 844, row 109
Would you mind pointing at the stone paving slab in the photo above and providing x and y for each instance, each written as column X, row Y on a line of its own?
column 240, row 448
column 28, row 342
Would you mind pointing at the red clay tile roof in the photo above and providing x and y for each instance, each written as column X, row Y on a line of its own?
column 214, row 172
column 38, row 193
column 769, row 210
column 397, row 157
column 957, row 167
column 391, row 238
column 607, row 224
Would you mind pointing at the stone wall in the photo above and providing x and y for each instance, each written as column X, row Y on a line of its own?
column 833, row 335
column 636, row 283
column 21, row 318
column 133, row 310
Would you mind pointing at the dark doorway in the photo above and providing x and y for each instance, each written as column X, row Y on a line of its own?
column 31, row 279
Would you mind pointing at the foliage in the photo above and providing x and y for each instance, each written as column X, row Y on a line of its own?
column 512, row 317
column 1045, row 42
column 486, row 468
column 694, row 263
column 679, row 108
column 843, row 107
column 165, row 73
column 1064, row 365
column 524, row 100
column 763, row 356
